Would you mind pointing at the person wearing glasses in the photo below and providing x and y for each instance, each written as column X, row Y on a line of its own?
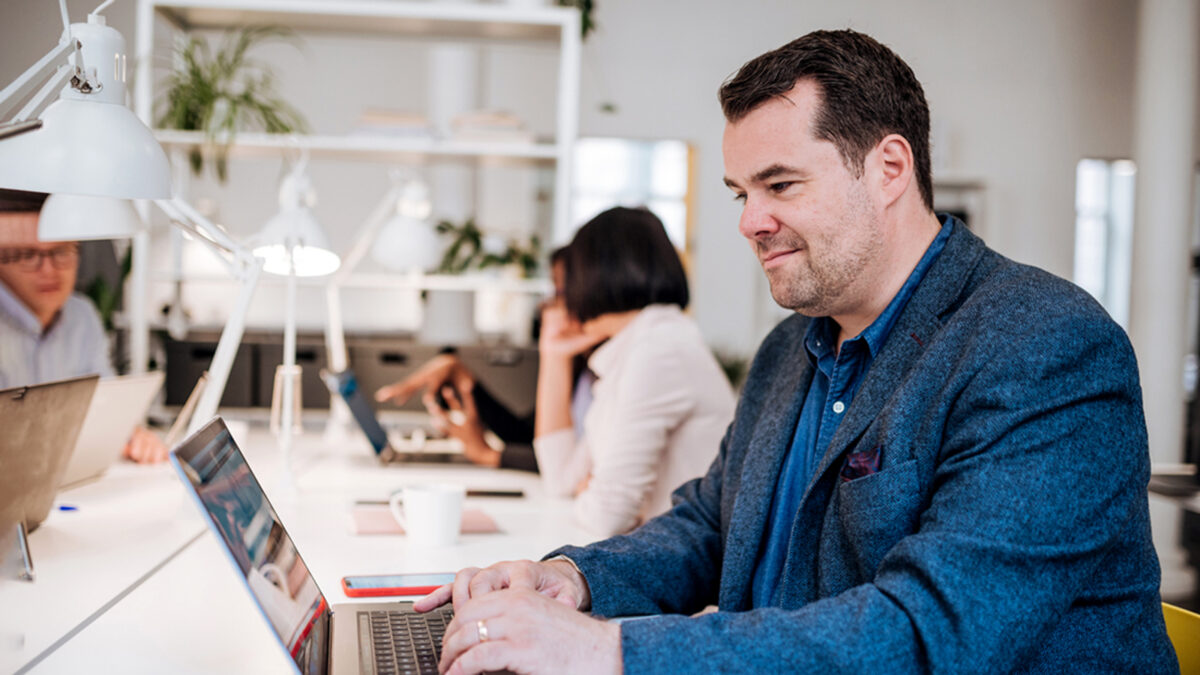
column 47, row 331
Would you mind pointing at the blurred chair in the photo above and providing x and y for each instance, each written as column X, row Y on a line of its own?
column 1183, row 627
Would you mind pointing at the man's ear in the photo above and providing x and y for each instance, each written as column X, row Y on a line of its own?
column 892, row 161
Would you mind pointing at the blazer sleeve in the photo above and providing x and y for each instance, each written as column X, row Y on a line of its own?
column 671, row 564
column 1041, row 466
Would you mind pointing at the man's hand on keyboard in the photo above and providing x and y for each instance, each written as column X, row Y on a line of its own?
column 521, row 630
column 557, row 579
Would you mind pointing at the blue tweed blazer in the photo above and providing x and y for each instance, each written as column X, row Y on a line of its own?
column 1004, row 526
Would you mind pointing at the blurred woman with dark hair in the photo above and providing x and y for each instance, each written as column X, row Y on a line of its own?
column 660, row 400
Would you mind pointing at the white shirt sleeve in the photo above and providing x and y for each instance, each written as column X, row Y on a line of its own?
column 634, row 416
column 563, row 461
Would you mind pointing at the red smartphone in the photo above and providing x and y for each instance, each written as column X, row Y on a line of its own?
column 371, row 585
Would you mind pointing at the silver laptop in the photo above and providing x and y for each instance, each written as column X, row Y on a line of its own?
column 119, row 405
column 317, row 637
column 40, row 424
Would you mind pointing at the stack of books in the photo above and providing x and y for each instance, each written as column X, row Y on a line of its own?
column 394, row 123
column 490, row 126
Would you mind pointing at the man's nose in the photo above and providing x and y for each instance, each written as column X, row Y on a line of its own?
column 757, row 220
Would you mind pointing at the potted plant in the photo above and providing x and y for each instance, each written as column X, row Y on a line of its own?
column 492, row 310
column 224, row 91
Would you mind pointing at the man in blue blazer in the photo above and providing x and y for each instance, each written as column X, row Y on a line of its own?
column 938, row 464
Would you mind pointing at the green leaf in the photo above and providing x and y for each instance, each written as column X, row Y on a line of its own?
column 223, row 92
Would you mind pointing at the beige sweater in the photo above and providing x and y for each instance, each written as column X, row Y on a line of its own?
column 660, row 407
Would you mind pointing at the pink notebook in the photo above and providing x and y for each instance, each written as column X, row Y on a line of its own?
column 377, row 519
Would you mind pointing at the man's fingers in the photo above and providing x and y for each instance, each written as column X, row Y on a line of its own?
column 461, row 586
column 490, row 656
column 484, row 582
column 435, row 599
column 526, row 576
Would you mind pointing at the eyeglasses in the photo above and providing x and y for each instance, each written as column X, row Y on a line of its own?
column 30, row 259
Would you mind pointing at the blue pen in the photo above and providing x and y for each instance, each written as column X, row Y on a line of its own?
column 67, row 507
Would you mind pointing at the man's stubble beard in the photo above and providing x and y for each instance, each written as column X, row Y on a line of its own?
column 816, row 283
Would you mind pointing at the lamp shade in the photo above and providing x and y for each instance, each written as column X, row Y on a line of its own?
column 87, row 148
column 407, row 241
column 67, row 217
column 89, row 142
column 295, row 228
column 405, row 244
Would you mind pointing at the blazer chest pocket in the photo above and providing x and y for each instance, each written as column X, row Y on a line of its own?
column 875, row 512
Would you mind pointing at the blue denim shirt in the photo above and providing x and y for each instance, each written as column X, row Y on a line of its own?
column 836, row 378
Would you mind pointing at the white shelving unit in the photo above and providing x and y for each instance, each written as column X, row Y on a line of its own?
column 402, row 19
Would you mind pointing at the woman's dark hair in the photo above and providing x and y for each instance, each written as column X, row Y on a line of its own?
column 622, row 260
column 867, row 92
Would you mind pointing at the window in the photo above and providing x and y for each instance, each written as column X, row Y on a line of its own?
column 1104, row 232
column 621, row 172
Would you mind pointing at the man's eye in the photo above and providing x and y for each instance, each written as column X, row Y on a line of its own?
column 780, row 187
column 741, row 197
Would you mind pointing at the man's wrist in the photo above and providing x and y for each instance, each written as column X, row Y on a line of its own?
column 573, row 573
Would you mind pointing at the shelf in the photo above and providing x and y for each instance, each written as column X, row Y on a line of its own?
column 953, row 181
column 428, row 282
column 393, row 17
column 368, row 147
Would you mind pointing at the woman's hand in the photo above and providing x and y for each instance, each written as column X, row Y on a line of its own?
column 460, row 420
column 563, row 336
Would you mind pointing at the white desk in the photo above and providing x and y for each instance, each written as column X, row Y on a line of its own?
column 126, row 525
column 182, row 608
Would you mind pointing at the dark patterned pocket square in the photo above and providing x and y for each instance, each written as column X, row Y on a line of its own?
column 861, row 463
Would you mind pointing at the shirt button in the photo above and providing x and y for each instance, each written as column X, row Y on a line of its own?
column 838, row 407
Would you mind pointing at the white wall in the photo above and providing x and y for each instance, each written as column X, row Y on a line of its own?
column 1022, row 89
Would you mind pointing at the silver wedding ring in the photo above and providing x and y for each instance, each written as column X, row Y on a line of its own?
column 481, row 629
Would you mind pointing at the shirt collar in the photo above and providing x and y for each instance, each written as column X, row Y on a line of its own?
column 821, row 336
column 24, row 319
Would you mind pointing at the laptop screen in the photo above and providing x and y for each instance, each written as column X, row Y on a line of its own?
column 239, row 513
column 346, row 385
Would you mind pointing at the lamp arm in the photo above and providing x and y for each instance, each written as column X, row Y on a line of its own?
column 189, row 219
column 246, row 268
column 366, row 235
column 16, row 91
column 335, row 331
column 101, row 7
column 227, row 346
column 52, row 85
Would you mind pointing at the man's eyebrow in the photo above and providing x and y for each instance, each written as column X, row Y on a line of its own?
column 764, row 175
column 771, row 172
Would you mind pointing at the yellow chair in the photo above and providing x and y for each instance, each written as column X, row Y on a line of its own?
column 1183, row 627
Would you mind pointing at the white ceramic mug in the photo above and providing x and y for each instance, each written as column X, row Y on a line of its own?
column 431, row 513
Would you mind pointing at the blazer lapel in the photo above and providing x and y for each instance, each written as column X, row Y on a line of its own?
column 769, row 444
column 915, row 328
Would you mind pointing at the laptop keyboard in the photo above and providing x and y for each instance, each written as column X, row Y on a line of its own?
column 406, row 642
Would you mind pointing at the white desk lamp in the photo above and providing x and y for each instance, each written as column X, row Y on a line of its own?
column 292, row 244
column 67, row 217
column 87, row 142
column 398, row 235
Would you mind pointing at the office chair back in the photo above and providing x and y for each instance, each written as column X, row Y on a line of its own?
column 1183, row 627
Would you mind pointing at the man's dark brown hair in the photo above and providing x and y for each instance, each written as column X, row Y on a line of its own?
column 867, row 92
